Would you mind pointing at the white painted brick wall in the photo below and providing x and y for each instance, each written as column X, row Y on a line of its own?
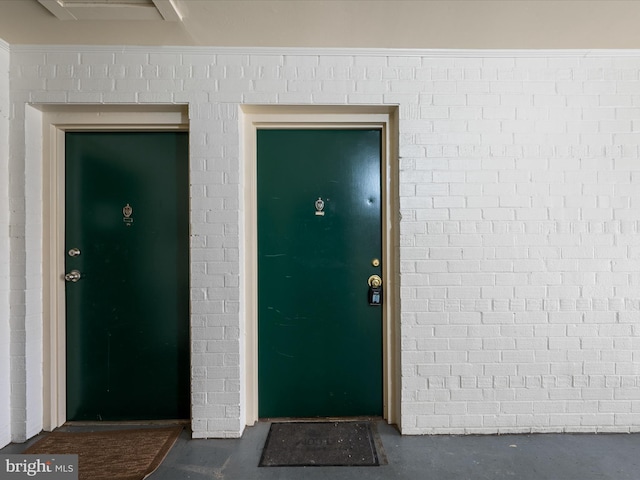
column 551, row 246
column 5, row 362
column 519, row 196
column 25, row 278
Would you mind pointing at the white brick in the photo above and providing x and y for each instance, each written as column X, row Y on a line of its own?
column 5, row 253
column 518, row 188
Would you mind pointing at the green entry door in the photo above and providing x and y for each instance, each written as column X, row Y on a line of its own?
column 127, row 240
column 319, row 236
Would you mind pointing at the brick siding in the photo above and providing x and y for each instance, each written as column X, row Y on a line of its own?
column 5, row 360
column 519, row 182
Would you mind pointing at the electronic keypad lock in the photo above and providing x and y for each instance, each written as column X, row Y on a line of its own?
column 375, row 290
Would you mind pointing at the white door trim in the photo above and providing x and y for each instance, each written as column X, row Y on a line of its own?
column 276, row 116
column 56, row 120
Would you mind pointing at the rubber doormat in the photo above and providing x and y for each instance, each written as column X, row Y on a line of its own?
column 316, row 444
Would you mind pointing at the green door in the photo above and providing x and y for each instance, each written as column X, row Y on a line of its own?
column 319, row 234
column 126, row 235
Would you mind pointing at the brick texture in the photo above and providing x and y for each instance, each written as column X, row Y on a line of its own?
column 5, row 358
column 519, row 219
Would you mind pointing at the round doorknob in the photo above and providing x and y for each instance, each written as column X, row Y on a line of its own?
column 374, row 281
column 72, row 276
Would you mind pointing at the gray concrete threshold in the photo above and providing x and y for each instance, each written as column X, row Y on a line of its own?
column 442, row 457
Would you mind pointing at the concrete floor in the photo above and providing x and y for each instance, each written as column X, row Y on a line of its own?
column 476, row 457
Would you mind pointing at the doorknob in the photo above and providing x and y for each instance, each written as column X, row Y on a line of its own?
column 375, row 290
column 72, row 276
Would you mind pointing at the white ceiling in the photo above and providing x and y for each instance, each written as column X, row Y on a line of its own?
column 537, row 24
column 113, row 9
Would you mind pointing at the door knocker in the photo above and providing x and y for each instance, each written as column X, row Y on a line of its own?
column 127, row 211
column 319, row 207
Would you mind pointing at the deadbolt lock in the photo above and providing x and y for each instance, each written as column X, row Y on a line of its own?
column 74, row 252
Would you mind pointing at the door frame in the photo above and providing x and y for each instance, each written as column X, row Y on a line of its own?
column 385, row 118
column 56, row 121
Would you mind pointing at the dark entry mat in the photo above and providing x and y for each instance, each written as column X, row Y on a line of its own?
column 311, row 444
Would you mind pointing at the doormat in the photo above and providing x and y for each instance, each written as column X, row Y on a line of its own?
column 112, row 454
column 316, row 444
